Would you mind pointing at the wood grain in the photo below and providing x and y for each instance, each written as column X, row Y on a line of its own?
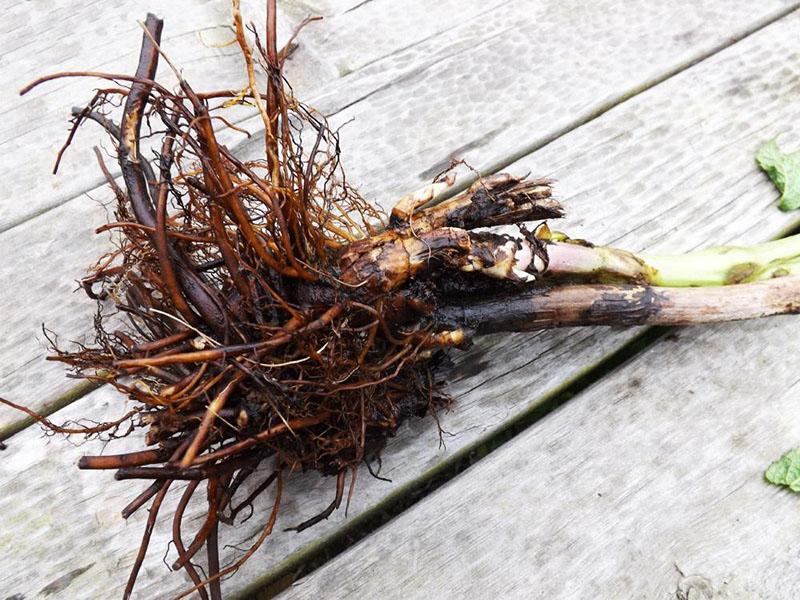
column 495, row 65
column 683, row 150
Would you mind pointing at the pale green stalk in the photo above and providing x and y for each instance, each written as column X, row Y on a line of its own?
column 725, row 265
column 722, row 265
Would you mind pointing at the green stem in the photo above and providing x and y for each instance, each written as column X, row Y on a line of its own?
column 723, row 265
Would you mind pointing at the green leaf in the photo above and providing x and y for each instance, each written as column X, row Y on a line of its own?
column 786, row 470
column 784, row 170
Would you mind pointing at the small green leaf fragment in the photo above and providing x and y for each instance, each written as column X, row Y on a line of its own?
column 786, row 470
column 784, row 170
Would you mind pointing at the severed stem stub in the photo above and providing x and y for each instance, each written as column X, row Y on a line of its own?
column 277, row 322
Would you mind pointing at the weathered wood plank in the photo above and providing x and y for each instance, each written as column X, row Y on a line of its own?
column 662, row 151
column 413, row 86
column 517, row 77
column 648, row 485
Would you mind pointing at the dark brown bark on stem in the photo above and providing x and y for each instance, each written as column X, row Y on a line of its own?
column 575, row 305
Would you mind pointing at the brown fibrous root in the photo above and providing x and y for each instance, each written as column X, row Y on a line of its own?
column 268, row 318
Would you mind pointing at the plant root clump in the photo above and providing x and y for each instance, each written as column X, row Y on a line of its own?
column 265, row 319
column 263, row 313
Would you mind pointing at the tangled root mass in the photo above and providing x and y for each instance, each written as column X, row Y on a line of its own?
column 272, row 315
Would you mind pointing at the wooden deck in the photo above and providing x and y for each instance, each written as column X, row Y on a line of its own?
column 645, row 484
